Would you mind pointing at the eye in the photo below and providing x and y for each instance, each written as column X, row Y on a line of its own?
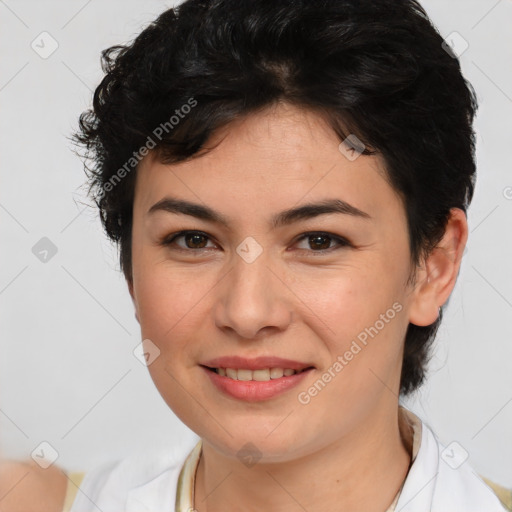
column 320, row 240
column 197, row 240
column 193, row 240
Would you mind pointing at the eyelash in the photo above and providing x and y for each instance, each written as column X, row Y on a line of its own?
column 169, row 240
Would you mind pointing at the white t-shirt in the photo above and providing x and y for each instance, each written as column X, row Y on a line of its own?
column 439, row 480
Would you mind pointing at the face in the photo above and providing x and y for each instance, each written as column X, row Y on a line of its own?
column 327, row 290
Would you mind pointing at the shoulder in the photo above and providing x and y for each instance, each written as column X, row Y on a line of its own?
column 441, row 478
column 142, row 475
column 459, row 486
column 26, row 487
column 472, row 489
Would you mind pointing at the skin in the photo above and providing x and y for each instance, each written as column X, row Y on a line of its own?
column 343, row 450
column 26, row 487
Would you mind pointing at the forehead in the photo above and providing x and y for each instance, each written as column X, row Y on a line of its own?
column 275, row 158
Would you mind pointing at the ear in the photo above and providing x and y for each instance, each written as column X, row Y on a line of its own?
column 134, row 300
column 437, row 278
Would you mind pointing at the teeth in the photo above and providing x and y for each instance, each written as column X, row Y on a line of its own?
column 276, row 373
column 257, row 375
column 231, row 373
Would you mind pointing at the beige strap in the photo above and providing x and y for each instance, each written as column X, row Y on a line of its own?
column 503, row 493
column 74, row 481
column 186, row 480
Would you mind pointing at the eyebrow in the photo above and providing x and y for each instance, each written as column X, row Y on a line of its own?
column 286, row 217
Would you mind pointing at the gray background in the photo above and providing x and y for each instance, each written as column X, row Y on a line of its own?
column 67, row 372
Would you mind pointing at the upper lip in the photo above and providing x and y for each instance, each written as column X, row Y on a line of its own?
column 258, row 363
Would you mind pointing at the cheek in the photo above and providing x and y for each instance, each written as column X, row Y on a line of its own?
column 171, row 303
column 360, row 317
column 170, row 314
column 347, row 300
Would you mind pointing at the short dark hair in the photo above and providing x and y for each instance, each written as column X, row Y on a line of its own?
column 377, row 70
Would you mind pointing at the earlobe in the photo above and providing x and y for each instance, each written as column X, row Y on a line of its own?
column 437, row 278
column 424, row 310
column 130, row 289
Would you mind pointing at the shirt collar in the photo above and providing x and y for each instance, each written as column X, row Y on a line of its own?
column 407, row 422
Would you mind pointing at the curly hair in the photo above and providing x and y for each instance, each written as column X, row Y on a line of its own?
column 378, row 70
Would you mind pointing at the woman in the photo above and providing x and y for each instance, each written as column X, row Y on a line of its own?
column 288, row 184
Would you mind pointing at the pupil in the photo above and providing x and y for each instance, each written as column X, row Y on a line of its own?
column 319, row 237
column 194, row 236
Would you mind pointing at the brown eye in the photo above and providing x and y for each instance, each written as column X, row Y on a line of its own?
column 320, row 242
column 194, row 240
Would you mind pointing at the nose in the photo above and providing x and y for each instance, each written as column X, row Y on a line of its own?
column 253, row 299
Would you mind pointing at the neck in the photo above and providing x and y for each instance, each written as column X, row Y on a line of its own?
column 363, row 471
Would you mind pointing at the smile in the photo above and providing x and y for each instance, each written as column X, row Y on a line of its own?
column 255, row 385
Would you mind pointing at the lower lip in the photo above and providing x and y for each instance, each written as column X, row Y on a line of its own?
column 253, row 390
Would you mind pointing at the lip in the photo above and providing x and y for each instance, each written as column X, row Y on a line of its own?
column 255, row 391
column 258, row 363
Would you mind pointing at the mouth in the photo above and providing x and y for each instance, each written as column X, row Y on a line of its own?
column 256, row 385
